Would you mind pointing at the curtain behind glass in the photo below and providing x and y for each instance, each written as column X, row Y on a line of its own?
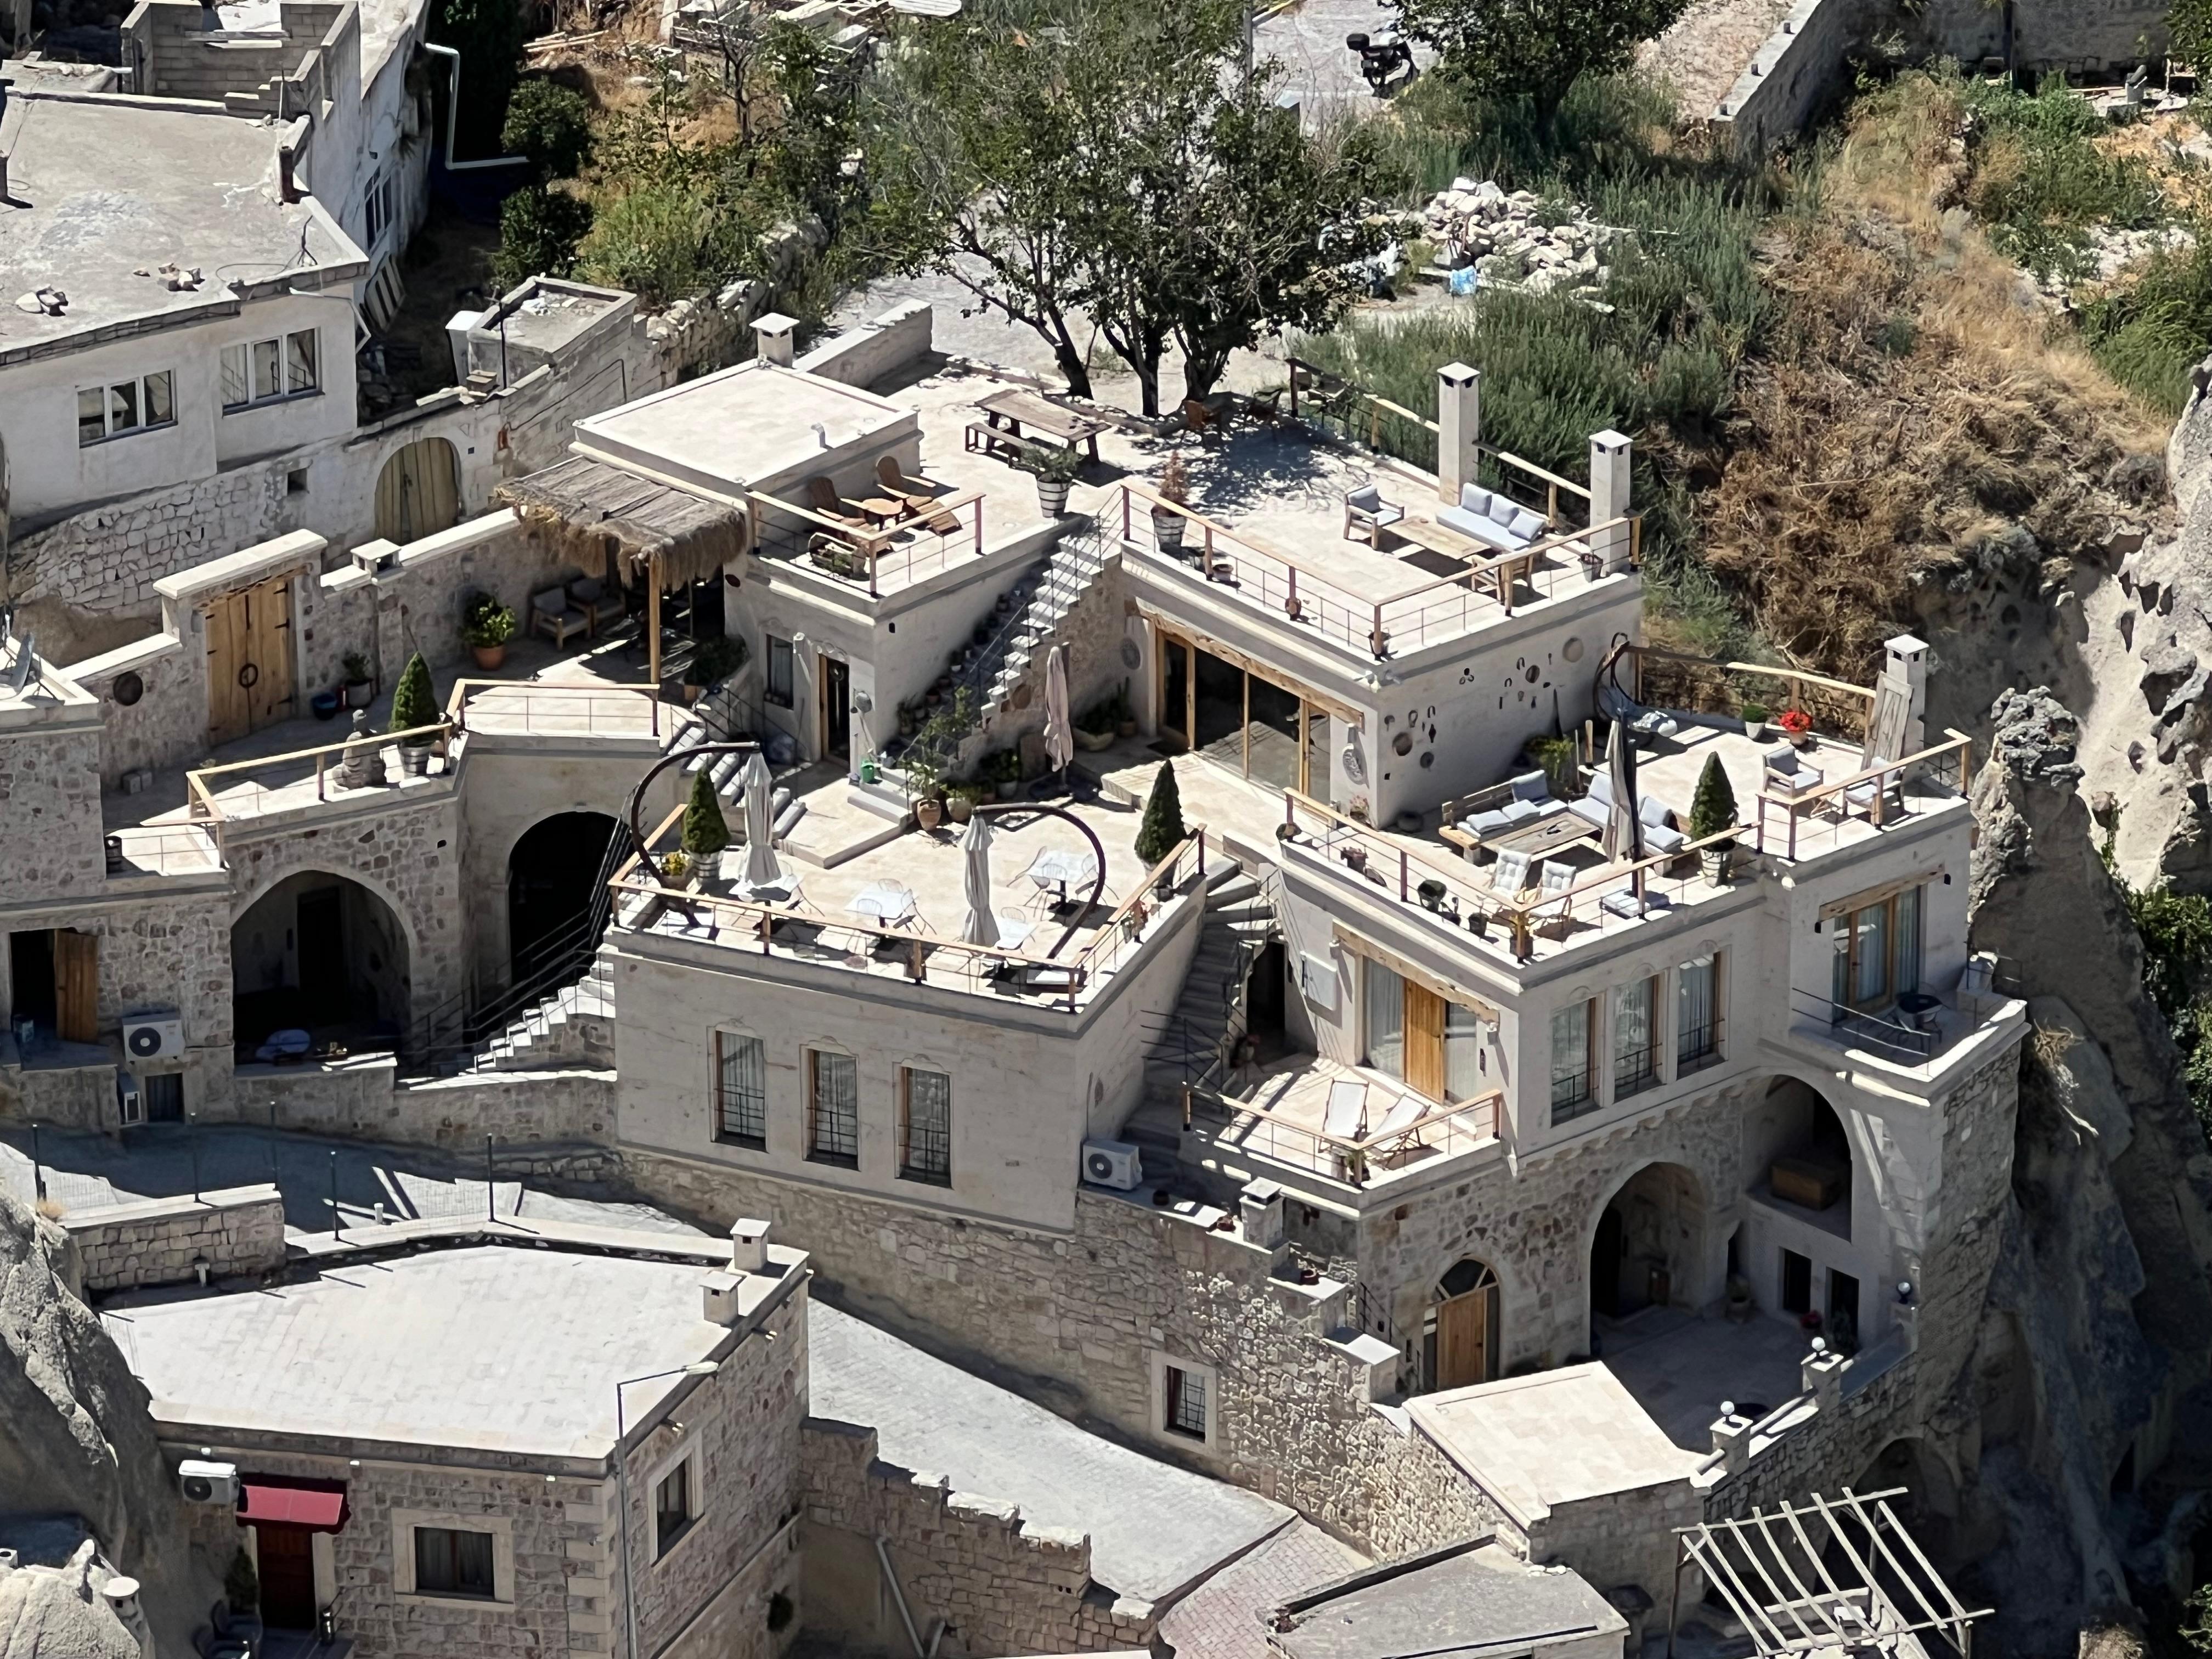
column 1462, row 1053
column 1693, row 1007
column 1386, row 1020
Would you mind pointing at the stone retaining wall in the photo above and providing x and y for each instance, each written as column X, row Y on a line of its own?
column 1001, row 1585
column 239, row 1230
column 364, row 1100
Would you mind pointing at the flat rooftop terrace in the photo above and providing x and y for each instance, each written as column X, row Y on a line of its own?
column 116, row 189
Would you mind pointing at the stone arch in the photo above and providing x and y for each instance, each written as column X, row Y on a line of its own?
column 552, row 869
column 1648, row 1241
column 325, row 951
column 1462, row 1337
column 1797, row 1149
column 418, row 492
column 1929, row 1509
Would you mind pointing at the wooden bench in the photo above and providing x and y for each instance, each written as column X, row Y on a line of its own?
column 981, row 435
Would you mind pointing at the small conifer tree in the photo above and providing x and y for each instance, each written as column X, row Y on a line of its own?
column 414, row 701
column 1713, row 808
column 1162, row 832
column 705, row 833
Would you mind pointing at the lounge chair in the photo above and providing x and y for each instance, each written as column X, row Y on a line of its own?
column 1528, row 801
column 551, row 615
column 1366, row 513
column 602, row 605
column 1660, row 836
column 1786, row 775
column 1397, row 1124
column 822, row 497
column 1345, row 1117
column 919, row 499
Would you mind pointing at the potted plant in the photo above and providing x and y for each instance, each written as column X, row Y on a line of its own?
column 360, row 688
column 1167, row 524
column 675, row 870
column 713, row 659
column 1054, row 471
column 1712, row 811
column 1754, row 720
column 1797, row 726
column 414, row 703
column 960, row 801
column 1430, row 892
column 1162, row 831
column 705, row 833
column 486, row 627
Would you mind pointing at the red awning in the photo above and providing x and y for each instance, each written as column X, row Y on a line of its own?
column 272, row 1503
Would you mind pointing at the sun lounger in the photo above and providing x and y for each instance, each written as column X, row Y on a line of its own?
column 1345, row 1118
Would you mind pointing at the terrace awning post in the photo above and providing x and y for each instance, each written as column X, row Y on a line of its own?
column 652, row 624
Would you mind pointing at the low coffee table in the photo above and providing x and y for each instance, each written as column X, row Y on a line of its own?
column 1545, row 835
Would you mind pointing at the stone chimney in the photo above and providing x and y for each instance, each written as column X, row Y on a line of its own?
column 773, row 334
column 1611, row 456
column 749, row 1246
column 719, row 1296
column 1459, row 428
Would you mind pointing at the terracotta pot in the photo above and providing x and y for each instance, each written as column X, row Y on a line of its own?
column 489, row 656
column 1126, row 729
column 928, row 813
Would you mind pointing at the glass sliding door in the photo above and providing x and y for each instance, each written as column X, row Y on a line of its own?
column 1272, row 752
column 1244, row 721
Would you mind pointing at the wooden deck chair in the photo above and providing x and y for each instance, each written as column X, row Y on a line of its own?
column 822, row 497
column 918, row 500
column 1509, row 876
column 1397, row 1125
column 1345, row 1118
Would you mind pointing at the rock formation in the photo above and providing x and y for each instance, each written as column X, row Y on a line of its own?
column 62, row 1612
column 75, row 1437
column 2098, row 1331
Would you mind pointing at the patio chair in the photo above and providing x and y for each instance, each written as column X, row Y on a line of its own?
column 919, row 499
column 1555, row 877
column 1786, row 775
column 1509, row 877
column 1397, row 1124
column 1345, row 1116
column 551, row 615
column 603, row 605
column 1367, row 514
column 822, row 497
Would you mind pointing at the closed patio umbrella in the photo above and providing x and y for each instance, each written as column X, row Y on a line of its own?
column 1623, row 819
column 981, row 927
column 761, row 867
column 1059, row 731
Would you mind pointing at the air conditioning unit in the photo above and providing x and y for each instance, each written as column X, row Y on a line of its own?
column 208, row 1483
column 1112, row 1164
column 152, row 1035
column 130, row 1104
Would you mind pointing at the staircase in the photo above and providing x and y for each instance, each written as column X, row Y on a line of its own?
column 718, row 717
column 1193, row 1043
column 572, row 1027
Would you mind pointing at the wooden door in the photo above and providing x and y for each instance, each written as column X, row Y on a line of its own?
column 287, row 1565
column 835, row 679
column 76, row 985
column 419, row 491
column 1424, row 1040
column 230, row 711
column 268, row 667
column 1463, row 1339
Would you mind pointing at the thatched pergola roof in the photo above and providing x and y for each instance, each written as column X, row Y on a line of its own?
column 596, row 512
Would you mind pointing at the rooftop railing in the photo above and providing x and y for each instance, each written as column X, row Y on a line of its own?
column 1425, row 610
column 1875, row 795
column 1677, row 680
column 894, row 555
column 1447, row 1130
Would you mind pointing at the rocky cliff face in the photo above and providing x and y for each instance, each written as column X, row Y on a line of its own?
column 2098, row 1331
column 75, row 1434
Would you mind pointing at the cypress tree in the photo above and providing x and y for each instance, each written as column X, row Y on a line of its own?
column 1162, row 832
column 414, row 702
column 704, row 830
column 1713, row 808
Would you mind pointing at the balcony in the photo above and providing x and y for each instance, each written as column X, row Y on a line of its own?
column 1928, row 1038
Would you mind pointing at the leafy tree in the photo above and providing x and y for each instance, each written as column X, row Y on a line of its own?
column 704, row 831
column 552, row 124
column 414, row 701
column 489, row 35
column 539, row 232
column 1162, row 831
column 1712, row 809
column 1534, row 49
column 2188, row 28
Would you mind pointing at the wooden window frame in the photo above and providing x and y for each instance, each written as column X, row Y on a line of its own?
column 834, row 1157
column 909, row 1168
column 1894, row 944
column 723, row 1133
column 788, row 696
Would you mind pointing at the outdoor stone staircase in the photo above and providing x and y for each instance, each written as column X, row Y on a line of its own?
column 719, row 711
column 572, row 1026
column 1208, row 1017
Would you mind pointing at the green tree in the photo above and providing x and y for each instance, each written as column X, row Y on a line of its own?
column 704, row 831
column 414, row 701
column 2188, row 28
column 552, row 124
column 1163, row 830
column 540, row 233
column 241, row 1585
column 1534, row 49
column 488, row 35
column 1712, row 809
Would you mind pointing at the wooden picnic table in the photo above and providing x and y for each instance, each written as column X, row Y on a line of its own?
column 1010, row 411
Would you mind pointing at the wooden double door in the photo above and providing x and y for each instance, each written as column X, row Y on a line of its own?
column 249, row 659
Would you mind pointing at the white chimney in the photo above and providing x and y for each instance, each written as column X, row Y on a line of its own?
column 718, row 1294
column 773, row 333
column 1459, row 429
column 1611, row 457
column 1905, row 672
column 749, row 1246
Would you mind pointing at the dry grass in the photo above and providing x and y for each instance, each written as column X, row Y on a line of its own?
column 1914, row 406
column 50, row 1209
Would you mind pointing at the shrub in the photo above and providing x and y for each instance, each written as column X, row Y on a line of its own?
column 667, row 237
column 704, row 831
column 241, row 1585
column 552, row 124
column 1163, row 830
column 1713, row 808
column 539, row 231
column 414, row 701
column 486, row 622
column 715, row 659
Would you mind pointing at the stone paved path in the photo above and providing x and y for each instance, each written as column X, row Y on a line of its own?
column 1709, row 45
column 1220, row 1620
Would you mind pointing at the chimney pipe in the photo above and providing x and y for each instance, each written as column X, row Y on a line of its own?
column 749, row 1246
column 1459, row 429
column 773, row 334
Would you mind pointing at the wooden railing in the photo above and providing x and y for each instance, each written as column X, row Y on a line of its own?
column 201, row 805
column 1866, row 792
column 1698, row 683
column 1456, row 1127
column 1428, row 608
column 868, row 553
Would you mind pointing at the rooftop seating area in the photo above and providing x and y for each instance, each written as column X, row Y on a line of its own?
column 1354, row 1128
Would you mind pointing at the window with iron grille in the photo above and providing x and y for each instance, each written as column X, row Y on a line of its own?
column 779, row 689
column 926, row 1125
column 740, row 1090
column 1697, row 1014
column 1186, row 1403
column 1635, row 1048
column 834, row 1134
column 1574, row 1031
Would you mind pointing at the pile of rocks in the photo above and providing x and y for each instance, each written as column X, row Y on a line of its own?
column 1516, row 238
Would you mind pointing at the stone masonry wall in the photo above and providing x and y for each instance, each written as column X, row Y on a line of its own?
column 50, row 804
column 1002, row 1585
column 107, row 561
column 1421, row 1499
column 364, row 1100
column 169, row 720
column 238, row 1231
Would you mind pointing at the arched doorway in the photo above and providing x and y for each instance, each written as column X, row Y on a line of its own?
column 319, row 954
column 1797, row 1154
column 1459, row 1332
column 1930, row 1508
column 551, row 874
column 1648, row 1246
column 419, row 491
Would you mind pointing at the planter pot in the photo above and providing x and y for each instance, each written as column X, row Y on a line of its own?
column 1714, row 861
column 414, row 761
column 1167, row 530
column 959, row 808
column 1091, row 742
column 325, row 705
column 1052, row 496
column 1803, row 740
column 705, row 867
column 1355, row 858
column 1126, row 729
column 489, row 656
column 1755, row 730
column 359, row 694
column 928, row 814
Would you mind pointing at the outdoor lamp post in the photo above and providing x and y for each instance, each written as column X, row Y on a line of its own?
column 697, row 1368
